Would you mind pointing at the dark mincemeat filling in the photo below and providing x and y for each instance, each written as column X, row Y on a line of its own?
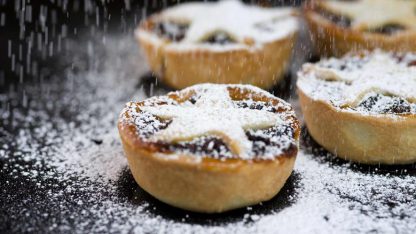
column 345, row 22
column 213, row 146
column 350, row 64
column 377, row 103
column 385, row 104
column 412, row 63
column 256, row 106
column 340, row 20
column 356, row 62
column 147, row 124
column 388, row 29
column 216, row 147
column 172, row 31
column 176, row 32
column 402, row 58
column 262, row 139
column 221, row 38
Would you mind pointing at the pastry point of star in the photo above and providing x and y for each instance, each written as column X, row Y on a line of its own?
column 214, row 113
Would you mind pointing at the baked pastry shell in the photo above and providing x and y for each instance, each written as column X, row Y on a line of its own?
column 330, row 39
column 207, row 185
column 180, row 68
column 360, row 138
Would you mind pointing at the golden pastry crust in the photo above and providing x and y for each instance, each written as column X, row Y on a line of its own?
column 209, row 186
column 331, row 39
column 360, row 138
column 260, row 65
column 203, row 183
column 362, row 107
column 263, row 67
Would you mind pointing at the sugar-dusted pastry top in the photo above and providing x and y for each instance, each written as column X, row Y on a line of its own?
column 378, row 16
column 370, row 82
column 206, row 120
column 227, row 23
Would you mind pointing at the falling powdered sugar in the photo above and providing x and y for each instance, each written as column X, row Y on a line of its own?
column 63, row 170
column 240, row 22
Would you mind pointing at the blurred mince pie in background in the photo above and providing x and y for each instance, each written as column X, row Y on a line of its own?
column 224, row 42
column 338, row 27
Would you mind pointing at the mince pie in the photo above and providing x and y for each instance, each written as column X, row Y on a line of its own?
column 362, row 107
column 225, row 42
column 338, row 27
column 210, row 147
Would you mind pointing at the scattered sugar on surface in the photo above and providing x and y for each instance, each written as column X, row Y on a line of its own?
column 75, row 177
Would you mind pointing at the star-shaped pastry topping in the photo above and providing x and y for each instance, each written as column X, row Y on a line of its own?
column 214, row 113
column 244, row 24
column 380, row 74
column 369, row 14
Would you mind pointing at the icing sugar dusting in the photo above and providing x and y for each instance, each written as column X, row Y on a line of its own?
column 241, row 22
column 65, row 175
column 213, row 113
column 346, row 81
column 383, row 12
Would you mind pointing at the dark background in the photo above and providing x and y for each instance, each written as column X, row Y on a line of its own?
column 33, row 35
column 24, row 24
